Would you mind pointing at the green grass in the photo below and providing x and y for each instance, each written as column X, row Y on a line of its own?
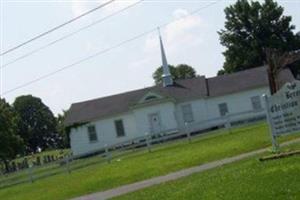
column 140, row 165
column 247, row 179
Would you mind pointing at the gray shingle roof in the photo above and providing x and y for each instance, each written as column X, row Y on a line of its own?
column 183, row 90
column 236, row 82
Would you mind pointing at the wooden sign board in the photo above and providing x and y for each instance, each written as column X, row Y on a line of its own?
column 284, row 109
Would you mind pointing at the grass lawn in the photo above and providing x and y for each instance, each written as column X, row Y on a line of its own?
column 247, row 179
column 140, row 165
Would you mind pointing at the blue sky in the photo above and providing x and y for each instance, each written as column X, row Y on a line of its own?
column 192, row 40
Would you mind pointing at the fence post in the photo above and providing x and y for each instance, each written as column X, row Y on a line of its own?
column 107, row 154
column 148, row 142
column 275, row 145
column 30, row 173
column 228, row 124
column 188, row 133
column 68, row 164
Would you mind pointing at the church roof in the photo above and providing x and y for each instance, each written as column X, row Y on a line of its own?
column 181, row 91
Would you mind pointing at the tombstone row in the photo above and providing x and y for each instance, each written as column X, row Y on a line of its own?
column 25, row 163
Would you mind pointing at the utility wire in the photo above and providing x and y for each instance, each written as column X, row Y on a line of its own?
column 55, row 28
column 68, row 35
column 105, row 50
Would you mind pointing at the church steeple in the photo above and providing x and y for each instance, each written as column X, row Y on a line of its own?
column 166, row 76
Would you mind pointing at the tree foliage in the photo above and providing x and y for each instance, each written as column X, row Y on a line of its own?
column 10, row 143
column 250, row 28
column 295, row 68
column 61, row 129
column 181, row 71
column 37, row 126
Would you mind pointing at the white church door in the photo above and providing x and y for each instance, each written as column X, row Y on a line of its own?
column 155, row 124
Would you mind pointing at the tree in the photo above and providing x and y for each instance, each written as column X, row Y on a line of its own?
column 157, row 75
column 61, row 129
column 184, row 71
column 37, row 126
column 250, row 29
column 10, row 143
column 295, row 68
column 277, row 60
column 181, row 71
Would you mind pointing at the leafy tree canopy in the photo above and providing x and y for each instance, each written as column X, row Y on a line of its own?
column 10, row 143
column 250, row 28
column 61, row 129
column 181, row 71
column 37, row 126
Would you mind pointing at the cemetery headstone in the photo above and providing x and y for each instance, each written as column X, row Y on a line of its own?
column 25, row 162
column 48, row 159
column 13, row 166
column 45, row 161
column 38, row 160
column 19, row 165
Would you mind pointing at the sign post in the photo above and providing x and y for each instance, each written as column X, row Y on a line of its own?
column 283, row 111
column 275, row 145
column 188, row 132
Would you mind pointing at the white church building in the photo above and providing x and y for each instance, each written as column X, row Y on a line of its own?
column 199, row 103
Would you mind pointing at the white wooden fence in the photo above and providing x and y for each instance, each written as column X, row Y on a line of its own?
column 107, row 153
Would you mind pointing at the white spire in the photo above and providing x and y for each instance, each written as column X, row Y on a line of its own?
column 166, row 76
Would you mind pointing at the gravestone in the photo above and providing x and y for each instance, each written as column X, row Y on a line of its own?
column 14, row 166
column 48, row 159
column 38, row 160
column 19, row 165
column 25, row 162
column 45, row 159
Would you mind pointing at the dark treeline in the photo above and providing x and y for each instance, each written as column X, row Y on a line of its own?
column 28, row 126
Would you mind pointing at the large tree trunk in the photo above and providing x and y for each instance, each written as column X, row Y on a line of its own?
column 277, row 61
column 272, row 81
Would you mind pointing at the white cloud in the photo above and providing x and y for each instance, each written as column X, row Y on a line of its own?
column 183, row 26
column 184, row 31
column 179, row 13
column 88, row 46
column 137, row 64
column 117, row 5
column 79, row 7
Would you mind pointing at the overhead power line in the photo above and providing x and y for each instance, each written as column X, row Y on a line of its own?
column 105, row 50
column 68, row 35
column 55, row 28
